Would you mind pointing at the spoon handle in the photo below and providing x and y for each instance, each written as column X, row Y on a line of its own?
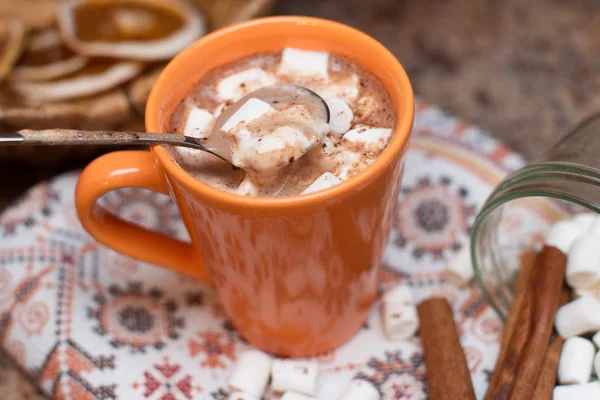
column 77, row 137
column 55, row 137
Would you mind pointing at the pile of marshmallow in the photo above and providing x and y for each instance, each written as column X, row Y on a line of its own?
column 341, row 97
column 579, row 239
column 297, row 379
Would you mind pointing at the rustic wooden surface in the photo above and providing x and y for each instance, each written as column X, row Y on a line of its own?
column 524, row 70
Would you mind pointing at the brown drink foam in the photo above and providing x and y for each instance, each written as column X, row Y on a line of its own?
column 366, row 96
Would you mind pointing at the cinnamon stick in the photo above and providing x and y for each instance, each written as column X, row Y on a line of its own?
column 529, row 260
column 448, row 376
column 518, row 373
column 547, row 379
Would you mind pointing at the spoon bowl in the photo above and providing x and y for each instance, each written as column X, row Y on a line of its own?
column 277, row 96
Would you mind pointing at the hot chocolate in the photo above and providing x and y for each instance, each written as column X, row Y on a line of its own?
column 281, row 149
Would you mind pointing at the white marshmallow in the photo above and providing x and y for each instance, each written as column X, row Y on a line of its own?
column 217, row 112
column 295, row 396
column 295, row 376
column 400, row 294
column 562, row 234
column 577, row 317
column 592, row 292
column 304, row 63
column 199, row 123
column 247, row 187
column 282, row 137
column 459, row 270
column 370, row 136
column 251, row 373
column 587, row 391
column 325, row 181
column 585, row 220
column 596, row 340
column 239, row 84
column 346, row 89
column 399, row 315
column 249, row 111
column 399, row 322
column 576, row 360
column 349, row 160
column 341, row 116
column 583, row 262
column 359, row 389
column 597, row 363
column 594, row 227
column 241, row 396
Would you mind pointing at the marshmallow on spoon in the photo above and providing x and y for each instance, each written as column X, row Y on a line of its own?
column 562, row 235
column 340, row 116
column 576, row 361
column 459, row 269
column 250, row 110
column 294, row 376
column 297, row 62
column 360, row 389
column 577, row 317
column 262, row 138
column 251, row 373
column 239, row 84
column 325, row 181
column 583, row 263
column 586, row 391
column 399, row 313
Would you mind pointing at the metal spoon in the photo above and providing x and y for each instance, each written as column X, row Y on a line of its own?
column 214, row 144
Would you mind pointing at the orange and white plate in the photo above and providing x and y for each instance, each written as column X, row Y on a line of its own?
column 86, row 322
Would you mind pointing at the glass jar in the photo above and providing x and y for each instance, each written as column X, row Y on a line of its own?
column 522, row 207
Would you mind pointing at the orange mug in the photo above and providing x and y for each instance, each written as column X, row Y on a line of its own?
column 296, row 275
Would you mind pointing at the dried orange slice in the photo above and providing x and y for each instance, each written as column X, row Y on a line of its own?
column 12, row 37
column 98, row 76
column 131, row 29
column 46, row 57
column 34, row 14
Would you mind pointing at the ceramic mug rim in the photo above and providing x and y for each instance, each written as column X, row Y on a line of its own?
column 396, row 146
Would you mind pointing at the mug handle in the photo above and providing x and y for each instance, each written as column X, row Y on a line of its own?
column 123, row 169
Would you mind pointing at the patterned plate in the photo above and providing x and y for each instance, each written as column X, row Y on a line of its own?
column 88, row 323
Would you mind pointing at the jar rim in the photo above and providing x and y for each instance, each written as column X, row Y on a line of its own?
column 545, row 179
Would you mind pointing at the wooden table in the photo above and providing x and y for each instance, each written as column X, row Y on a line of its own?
column 524, row 70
